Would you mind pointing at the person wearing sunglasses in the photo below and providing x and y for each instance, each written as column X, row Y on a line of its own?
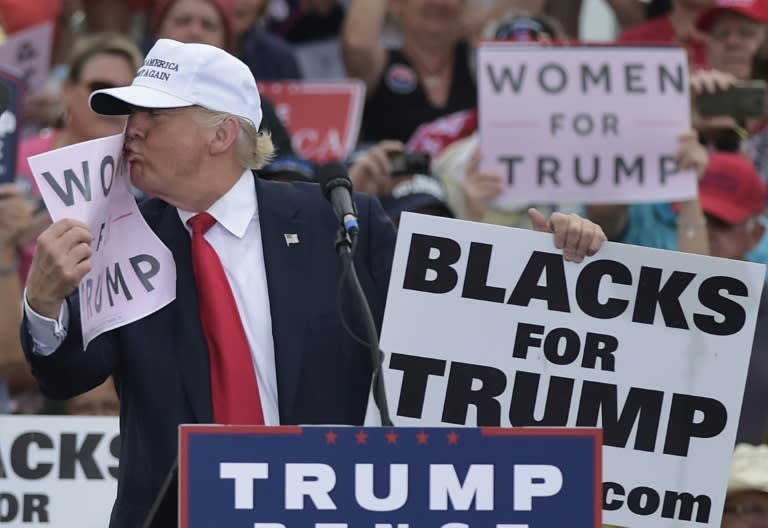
column 97, row 62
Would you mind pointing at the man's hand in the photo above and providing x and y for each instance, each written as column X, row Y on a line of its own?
column 15, row 214
column 372, row 172
column 576, row 236
column 709, row 82
column 61, row 260
column 691, row 154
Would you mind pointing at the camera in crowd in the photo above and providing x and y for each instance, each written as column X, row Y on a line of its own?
column 409, row 163
column 742, row 101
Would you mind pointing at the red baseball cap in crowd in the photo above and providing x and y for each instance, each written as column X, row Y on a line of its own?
column 754, row 9
column 731, row 189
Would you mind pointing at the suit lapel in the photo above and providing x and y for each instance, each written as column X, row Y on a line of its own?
column 287, row 249
column 190, row 348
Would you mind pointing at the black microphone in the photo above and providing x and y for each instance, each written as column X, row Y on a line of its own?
column 337, row 188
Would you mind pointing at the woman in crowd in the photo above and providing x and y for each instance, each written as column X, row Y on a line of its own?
column 267, row 55
column 470, row 189
column 97, row 61
column 211, row 22
column 426, row 77
column 737, row 32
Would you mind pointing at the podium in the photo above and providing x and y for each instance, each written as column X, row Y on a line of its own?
column 281, row 477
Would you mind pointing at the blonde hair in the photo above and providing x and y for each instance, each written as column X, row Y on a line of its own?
column 87, row 47
column 254, row 149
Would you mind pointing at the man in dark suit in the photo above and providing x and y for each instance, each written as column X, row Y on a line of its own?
column 191, row 141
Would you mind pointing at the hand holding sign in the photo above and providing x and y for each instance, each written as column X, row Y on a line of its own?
column 62, row 259
column 576, row 236
column 719, row 132
column 130, row 272
column 692, row 154
column 637, row 341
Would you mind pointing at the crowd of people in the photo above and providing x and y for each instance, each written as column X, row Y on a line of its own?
column 416, row 59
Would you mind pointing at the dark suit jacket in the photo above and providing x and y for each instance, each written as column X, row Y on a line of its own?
column 160, row 363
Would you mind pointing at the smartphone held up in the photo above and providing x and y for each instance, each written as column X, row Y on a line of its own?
column 744, row 100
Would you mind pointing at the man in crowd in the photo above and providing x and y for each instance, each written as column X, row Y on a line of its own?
column 263, row 344
column 726, row 217
column 746, row 502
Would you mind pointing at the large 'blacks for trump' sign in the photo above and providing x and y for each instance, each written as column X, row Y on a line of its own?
column 487, row 325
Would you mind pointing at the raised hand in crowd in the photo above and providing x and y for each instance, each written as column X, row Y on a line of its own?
column 61, row 260
column 364, row 57
column 371, row 173
column 709, row 82
column 685, row 26
column 692, row 233
column 692, row 236
column 480, row 188
column 429, row 74
column 691, row 154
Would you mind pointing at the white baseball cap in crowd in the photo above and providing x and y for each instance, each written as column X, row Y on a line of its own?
column 749, row 469
column 176, row 74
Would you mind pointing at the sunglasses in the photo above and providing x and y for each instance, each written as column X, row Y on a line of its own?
column 98, row 85
column 524, row 29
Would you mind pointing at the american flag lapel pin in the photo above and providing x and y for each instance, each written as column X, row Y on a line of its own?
column 291, row 238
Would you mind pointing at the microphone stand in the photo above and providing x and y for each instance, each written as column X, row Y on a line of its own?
column 345, row 247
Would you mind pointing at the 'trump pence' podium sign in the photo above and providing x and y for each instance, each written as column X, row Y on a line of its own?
column 350, row 477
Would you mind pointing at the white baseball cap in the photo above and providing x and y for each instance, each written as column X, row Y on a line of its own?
column 749, row 469
column 175, row 74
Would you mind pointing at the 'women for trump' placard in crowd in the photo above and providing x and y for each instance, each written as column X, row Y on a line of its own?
column 584, row 124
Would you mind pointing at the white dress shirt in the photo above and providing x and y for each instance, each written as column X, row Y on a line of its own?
column 236, row 238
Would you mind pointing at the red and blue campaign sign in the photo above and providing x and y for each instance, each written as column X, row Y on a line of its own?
column 379, row 477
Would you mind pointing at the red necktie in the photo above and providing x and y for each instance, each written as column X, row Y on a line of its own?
column 234, row 387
